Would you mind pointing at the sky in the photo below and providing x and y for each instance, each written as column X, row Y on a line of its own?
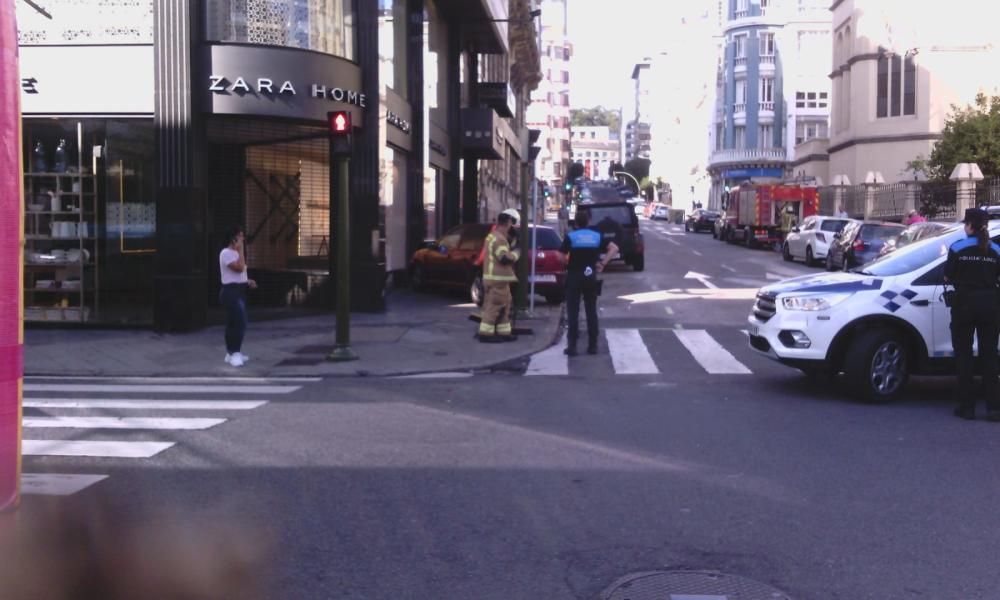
column 609, row 38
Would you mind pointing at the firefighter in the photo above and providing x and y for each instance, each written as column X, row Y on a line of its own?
column 973, row 269
column 498, row 275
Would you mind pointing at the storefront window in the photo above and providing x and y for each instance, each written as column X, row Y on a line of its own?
column 392, row 45
column 90, row 226
column 392, row 209
column 320, row 25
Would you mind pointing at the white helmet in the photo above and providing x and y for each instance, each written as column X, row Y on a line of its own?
column 513, row 214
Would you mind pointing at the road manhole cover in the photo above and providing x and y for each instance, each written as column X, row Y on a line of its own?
column 690, row 585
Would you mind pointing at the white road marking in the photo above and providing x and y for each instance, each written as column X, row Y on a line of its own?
column 105, row 449
column 669, row 310
column 56, row 484
column 160, row 389
column 674, row 242
column 144, row 404
column 551, row 361
column 710, row 354
column 629, row 354
column 696, row 253
column 443, row 375
column 773, row 277
column 728, row 268
column 704, row 279
column 64, row 422
column 744, row 332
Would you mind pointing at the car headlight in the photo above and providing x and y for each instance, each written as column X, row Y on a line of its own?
column 813, row 303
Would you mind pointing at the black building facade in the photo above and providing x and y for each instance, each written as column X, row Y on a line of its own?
column 218, row 117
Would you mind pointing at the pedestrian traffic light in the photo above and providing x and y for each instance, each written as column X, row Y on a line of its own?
column 340, row 129
column 339, row 122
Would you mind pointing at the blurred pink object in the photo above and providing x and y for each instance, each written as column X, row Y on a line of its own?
column 11, row 235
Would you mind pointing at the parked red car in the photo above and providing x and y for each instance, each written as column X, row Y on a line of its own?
column 450, row 262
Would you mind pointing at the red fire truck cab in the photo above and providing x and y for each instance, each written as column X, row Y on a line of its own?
column 764, row 214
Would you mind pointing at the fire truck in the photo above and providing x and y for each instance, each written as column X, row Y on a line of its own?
column 764, row 214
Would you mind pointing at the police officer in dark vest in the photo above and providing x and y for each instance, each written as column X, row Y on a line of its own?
column 585, row 247
column 973, row 269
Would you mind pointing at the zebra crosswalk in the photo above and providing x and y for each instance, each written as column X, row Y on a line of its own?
column 133, row 419
column 629, row 352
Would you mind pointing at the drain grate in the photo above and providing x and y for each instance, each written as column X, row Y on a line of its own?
column 690, row 585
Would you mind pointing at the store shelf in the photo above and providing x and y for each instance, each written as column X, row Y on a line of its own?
column 57, row 265
column 58, row 239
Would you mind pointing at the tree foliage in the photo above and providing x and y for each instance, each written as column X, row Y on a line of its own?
column 971, row 135
column 638, row 168
column 596, row 117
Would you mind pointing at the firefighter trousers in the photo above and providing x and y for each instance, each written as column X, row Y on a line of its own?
column 497, row 307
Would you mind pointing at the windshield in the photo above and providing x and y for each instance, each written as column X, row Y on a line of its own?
column 622, row 215
column 547, row 239
column 835, row 226
column 880, row 232
column 914, row 256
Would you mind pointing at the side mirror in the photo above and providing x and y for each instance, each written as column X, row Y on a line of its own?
column 795, row 230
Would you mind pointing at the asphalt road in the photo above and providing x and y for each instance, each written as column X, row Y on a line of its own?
column 505, row 485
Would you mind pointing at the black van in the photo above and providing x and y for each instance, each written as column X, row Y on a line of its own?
column 619, row 223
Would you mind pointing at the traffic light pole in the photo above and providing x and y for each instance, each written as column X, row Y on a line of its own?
column 340, row 149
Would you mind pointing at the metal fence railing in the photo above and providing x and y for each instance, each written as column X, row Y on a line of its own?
column 988, row 192
column 890, row 202
column 938, row 200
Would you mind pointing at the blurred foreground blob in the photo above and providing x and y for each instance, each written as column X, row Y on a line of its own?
column 62, row 552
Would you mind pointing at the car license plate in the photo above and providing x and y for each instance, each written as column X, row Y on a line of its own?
column 754, row 331
column 543, row 279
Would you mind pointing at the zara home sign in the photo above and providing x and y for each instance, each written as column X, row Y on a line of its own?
column 280, row 82
column 262, row 85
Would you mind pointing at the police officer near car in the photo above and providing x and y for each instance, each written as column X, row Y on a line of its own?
column 585, row 247
column 499, row 257
column 973, row 270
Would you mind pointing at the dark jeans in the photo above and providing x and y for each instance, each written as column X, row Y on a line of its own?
column 975, row 314
column 577, row 288
column 234, row 300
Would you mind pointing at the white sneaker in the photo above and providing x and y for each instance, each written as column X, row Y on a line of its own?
column 228, row 357
column 243, row 357
column 235, row 360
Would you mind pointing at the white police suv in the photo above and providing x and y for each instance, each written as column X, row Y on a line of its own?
column 877, row 324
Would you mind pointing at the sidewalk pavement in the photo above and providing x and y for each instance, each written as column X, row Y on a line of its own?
column 418, row 333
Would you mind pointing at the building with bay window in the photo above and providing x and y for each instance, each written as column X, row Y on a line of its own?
column 772, row 89
column 188, row 117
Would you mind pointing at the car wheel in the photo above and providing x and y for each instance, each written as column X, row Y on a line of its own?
column 747, row 238
column 846, row 265
column 786, row 252
column 555, row 299
column 639, row 262
column 810, row 258
column 877, row 366
column 829, row 261
column 477, row 292
column 418, row 279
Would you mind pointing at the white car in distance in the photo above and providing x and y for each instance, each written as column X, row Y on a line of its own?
column 810, row 241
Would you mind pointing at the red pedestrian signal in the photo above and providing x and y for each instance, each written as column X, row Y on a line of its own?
column 339, row 122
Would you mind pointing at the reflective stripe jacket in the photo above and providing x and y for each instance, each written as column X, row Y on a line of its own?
column 497, row 252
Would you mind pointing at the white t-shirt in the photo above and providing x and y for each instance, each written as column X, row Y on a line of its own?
column 227, row 257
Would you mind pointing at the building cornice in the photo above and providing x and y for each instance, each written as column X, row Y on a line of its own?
column 811, row 158
column 884, row 139
column 837, row 72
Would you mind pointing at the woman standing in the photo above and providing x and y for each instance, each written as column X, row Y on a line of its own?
column 973, row 268
column 233, row 269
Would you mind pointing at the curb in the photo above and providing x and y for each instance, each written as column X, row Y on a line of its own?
column 270, row 372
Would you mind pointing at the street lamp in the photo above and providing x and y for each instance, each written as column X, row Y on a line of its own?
column 638, row 188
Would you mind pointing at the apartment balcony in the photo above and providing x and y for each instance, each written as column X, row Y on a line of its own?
column 740, row 109
column 766, row 59
column 748, row 156
column 766, row 107
column 742, row 14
